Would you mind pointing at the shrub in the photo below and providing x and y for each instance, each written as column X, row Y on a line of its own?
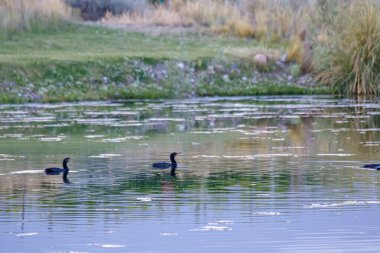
column 352, row 62
column 97, row 9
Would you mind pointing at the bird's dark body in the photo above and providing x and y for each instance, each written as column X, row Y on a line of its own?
column 53, row 171
column 162, row 165
column 166, row 165
column 372, row 166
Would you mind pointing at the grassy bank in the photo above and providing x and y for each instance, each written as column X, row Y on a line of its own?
column 47, row 54
column 335, row 40
column 90, row 63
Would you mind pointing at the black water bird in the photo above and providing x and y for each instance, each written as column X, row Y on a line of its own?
column 166, row 165
column 375, row 166
column 57, row 171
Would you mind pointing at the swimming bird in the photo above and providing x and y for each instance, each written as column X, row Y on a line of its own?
column 166, row 165
column 57, row 171
column 372, row 166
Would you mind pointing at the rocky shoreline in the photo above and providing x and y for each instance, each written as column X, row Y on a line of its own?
column 170, row 78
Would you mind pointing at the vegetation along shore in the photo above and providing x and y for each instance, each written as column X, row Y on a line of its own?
column 55, row 50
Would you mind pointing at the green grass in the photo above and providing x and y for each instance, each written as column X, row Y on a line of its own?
column 83, row 43
column 94, row 63
column 259, row 90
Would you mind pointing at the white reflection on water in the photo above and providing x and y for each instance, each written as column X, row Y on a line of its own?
column 267, row 213
column 27, row 234
column 107, row 245
column 212, row 227
column 344, row 203
column 56, row 139
column 144, row 199
column 23, row 172
column 105, row 156
column 342, row 155
column 169, row 234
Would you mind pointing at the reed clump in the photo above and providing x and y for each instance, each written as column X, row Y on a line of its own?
column 352, row 60
column 21, row 15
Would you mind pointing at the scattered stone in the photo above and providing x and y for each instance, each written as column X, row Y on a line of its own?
column 226, row 78
column 181, row 65
column 105, row 80
column 284, row 58
column 261, row 59
column 219, row 68
column 129, row 79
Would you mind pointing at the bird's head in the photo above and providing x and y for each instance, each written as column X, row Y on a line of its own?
column 174, row 154
column 66, row 160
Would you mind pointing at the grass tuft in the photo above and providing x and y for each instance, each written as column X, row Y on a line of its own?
column 243, row 29
column 352, row 63
column 300, row 51
column 22, row 15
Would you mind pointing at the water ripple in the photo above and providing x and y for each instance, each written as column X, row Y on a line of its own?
column 339, row 204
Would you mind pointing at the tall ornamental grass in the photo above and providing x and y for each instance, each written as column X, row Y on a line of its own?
column 352, row 60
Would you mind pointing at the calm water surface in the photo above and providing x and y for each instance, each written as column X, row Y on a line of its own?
column 268, row 174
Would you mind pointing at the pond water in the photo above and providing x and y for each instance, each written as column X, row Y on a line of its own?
column 257, row 174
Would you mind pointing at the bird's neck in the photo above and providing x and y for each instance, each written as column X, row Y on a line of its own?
column 65, row 167
column 174, row 166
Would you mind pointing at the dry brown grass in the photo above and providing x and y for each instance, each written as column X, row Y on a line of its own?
column 213, row 15
column 262, row 19
column 17, row 15
column 279, row 21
